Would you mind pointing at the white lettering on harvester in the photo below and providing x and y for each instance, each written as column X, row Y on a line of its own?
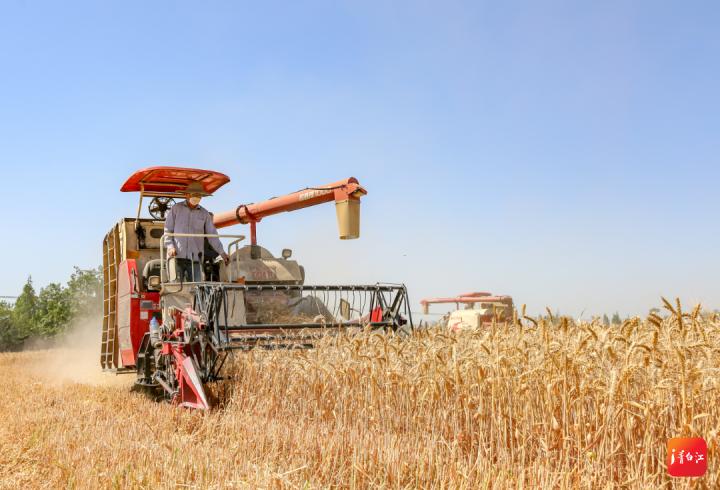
column 304, row 196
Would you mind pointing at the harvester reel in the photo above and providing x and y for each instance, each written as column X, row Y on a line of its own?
column 160, row 206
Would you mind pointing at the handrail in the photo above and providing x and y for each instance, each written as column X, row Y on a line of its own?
column 163, row 261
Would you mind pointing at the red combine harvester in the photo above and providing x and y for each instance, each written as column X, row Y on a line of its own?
column 480, row 309
column 176, row 336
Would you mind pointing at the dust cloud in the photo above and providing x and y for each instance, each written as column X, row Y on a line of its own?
column 74, row 357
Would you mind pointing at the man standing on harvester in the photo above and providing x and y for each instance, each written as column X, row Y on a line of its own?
column 189, row 217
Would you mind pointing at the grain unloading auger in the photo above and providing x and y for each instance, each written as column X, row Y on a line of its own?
column 177, row 335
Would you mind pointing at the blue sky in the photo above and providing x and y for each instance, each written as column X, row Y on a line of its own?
column 565, row 153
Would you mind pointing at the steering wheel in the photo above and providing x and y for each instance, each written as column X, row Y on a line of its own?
column 159, row 207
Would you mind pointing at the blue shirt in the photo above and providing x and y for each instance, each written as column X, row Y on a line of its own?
column 183, row 219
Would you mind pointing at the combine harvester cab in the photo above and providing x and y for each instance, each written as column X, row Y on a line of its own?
column 480, row 310
column 177, row 336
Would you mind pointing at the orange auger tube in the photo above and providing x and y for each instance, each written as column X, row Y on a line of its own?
column 346, row 194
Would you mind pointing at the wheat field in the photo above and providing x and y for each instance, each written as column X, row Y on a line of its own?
column 534, row 403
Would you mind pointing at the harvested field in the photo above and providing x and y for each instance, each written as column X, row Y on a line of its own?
column 550, row 404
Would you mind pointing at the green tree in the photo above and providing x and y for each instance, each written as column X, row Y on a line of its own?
column 606, row 320
column 10, row 337
column 54, row 310
column 25, row 310
column 616, row 319
column 85, row 292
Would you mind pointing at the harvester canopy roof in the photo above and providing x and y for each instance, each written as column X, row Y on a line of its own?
column 173, row 180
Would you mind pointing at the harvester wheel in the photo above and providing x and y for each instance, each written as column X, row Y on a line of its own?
column 146, row 364
column 165, row 377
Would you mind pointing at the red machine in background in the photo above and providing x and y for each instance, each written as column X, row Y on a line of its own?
column 176, row 336
column 480, row 308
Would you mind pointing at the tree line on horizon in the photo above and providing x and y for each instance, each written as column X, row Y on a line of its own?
column 51, row 312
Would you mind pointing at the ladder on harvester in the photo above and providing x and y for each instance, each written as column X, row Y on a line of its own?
column 109, row 359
